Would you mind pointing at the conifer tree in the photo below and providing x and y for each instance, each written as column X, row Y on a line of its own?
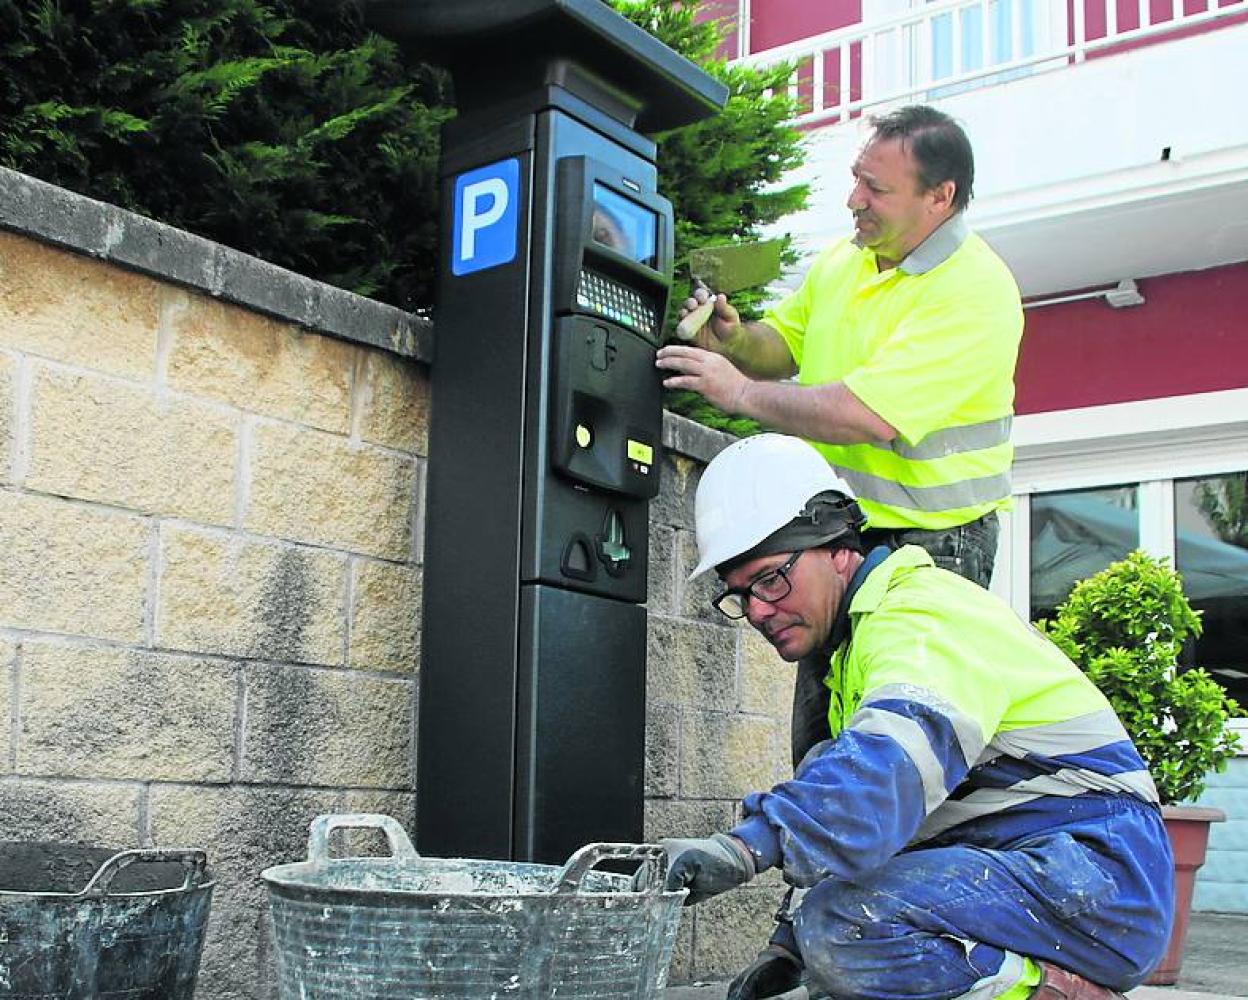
column 723, row 175
column 285, row 129
column 282, row 128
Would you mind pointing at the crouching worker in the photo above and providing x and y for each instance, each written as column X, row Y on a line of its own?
column 979, row 825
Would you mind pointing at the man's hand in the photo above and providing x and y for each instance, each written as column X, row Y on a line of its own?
column 775, row 970
column 711, row 375
column 721, row 326
column 707, row 866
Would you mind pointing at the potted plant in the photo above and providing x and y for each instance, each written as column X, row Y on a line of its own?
column 1125, row 628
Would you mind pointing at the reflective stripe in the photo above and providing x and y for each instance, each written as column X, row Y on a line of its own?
column 1137, row 783
column 909, row 735
column 1011, row 971
column 1067, row 784
column 970, row 736
column 967, row 493
column 1059, row 739
column 953, row 440
column 980, row 803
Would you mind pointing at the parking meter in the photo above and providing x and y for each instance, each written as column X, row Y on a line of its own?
column 546, row 422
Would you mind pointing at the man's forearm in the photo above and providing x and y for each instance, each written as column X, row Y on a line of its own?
column 828, row 413
column 758, row 351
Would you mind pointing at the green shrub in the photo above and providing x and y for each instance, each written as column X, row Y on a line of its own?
column 724, row 174
column 287, row 130
column 279, row 127
column 1125, row 628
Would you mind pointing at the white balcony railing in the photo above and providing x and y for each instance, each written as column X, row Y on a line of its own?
column 949, row 46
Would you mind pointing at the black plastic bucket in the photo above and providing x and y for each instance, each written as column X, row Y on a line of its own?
column 81, row 922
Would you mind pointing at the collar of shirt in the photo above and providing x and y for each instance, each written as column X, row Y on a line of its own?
column 939, row 246
column 840, row 627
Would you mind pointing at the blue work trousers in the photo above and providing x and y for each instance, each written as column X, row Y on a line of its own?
column 1094, row 897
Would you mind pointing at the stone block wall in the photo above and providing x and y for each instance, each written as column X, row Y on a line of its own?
column 718, row 701
column 209, row 609
column 211, row 483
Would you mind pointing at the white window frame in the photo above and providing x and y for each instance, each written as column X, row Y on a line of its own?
column 1150, row 443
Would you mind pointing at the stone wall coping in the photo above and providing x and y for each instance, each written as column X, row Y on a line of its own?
column 97, row 229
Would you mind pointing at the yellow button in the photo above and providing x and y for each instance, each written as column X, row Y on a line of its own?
column 639, row 452
column 584, row 436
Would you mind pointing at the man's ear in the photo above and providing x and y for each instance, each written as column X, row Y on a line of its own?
column 941, row 196
column 841, row 559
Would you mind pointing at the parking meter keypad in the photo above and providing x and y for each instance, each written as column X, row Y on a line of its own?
column 616, row 302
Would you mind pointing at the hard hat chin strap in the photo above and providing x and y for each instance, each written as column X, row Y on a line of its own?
column 833, row 508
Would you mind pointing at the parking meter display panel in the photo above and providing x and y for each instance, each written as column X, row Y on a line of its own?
column 614, row 247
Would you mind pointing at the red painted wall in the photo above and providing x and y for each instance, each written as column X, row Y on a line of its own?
column 1191, row 335
column 726, row 12
column 776, row 22
column 1159, row 12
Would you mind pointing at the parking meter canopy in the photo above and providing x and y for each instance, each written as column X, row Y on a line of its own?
column 492, row 47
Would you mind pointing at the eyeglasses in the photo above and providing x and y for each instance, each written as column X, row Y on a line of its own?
column 770, row 587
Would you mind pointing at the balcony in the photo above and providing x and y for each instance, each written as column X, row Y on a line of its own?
column 1111, row 139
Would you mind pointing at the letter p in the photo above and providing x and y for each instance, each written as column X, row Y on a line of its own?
column 493, row 192
column 485, row 217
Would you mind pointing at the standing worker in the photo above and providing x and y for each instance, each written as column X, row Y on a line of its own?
column 979, row 825
column 904, row 339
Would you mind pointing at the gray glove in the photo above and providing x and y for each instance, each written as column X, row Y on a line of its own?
column 707, row 866
column 775, row 970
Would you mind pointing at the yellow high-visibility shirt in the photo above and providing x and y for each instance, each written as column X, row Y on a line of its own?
column 930, row 346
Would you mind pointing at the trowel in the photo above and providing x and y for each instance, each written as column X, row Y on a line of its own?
column 728, row 268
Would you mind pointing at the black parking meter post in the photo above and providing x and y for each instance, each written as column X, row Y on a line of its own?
column 544, row 444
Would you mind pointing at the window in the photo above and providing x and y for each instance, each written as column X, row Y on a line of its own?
column 1200, row 523
column 1211, row 552
column 1168, row 476
column 1077, row 533
column 991, row 34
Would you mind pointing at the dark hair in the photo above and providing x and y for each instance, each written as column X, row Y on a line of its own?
column 940, row 148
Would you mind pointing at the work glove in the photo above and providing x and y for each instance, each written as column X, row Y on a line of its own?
column 775, row 970
column 706, row 866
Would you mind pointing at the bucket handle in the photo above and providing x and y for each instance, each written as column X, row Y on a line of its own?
column 194, row 861
column 650, row 876
column 396, row 837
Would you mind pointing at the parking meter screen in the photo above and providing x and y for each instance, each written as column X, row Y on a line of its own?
column 625, row 226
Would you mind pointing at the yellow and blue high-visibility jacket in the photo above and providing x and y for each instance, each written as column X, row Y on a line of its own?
column 953, row 721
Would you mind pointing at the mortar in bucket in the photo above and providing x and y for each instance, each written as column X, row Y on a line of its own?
column 91, row 923
column 404, row 926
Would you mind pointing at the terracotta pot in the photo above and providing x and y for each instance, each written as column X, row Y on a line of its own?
column 1188, row 827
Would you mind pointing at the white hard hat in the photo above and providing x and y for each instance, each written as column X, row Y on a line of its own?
column 753, row 488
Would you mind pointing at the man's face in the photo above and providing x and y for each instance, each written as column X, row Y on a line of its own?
column 798, row 623
column 891, row 215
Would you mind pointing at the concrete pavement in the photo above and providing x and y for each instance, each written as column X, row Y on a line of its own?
column 1215, row 966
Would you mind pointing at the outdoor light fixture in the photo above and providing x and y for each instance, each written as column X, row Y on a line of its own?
column 1123, row 294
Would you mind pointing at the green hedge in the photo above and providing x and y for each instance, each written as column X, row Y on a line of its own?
column 288, row 131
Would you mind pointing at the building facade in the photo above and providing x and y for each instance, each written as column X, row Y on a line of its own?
column 1111, row 146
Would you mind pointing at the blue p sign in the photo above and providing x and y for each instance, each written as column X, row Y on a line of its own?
column 486, row 212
